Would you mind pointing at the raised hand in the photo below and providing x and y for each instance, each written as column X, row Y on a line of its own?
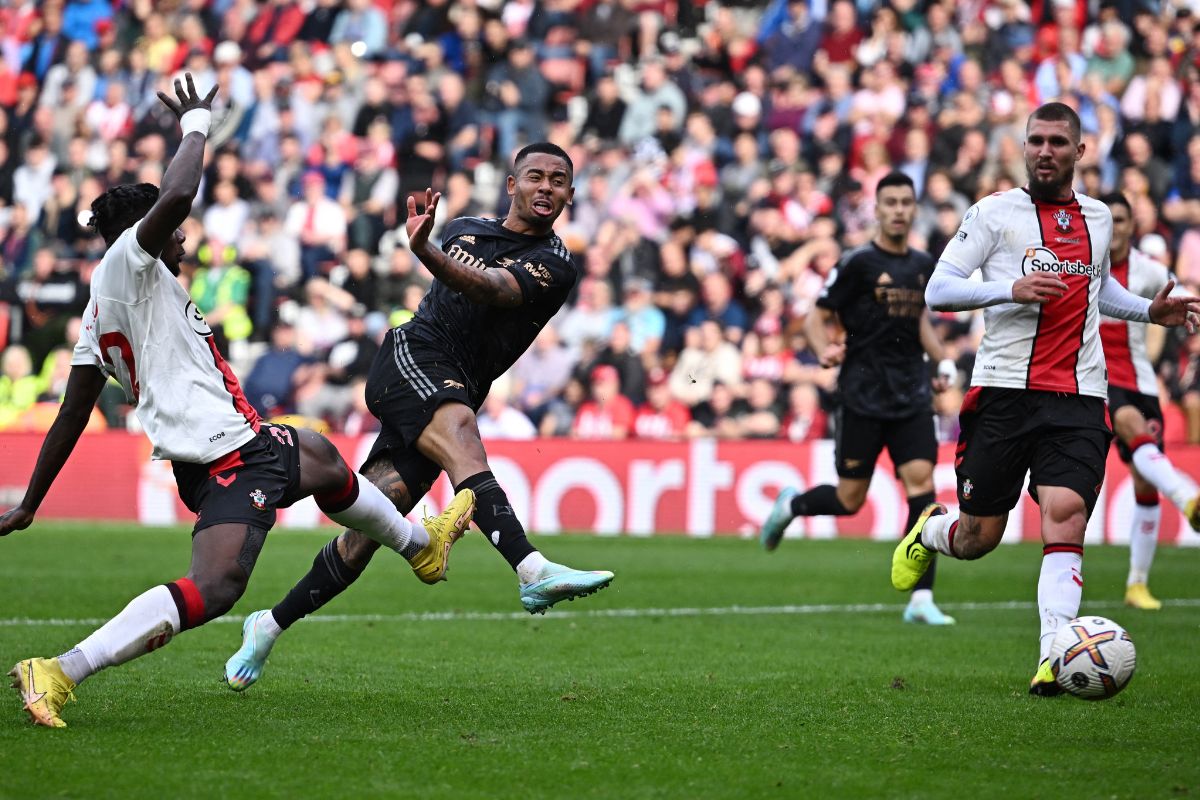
column 1172, row 311
column 419, row 226
column 189, row 100
column 15, row 519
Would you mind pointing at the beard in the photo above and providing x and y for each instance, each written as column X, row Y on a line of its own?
column 1052, row 189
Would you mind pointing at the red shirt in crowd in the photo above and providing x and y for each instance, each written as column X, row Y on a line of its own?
column 613, row 420
column 669, row 423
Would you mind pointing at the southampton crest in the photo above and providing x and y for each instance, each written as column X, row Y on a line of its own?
column 1062, row 219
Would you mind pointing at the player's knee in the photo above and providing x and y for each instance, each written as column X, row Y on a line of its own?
column 220, row 592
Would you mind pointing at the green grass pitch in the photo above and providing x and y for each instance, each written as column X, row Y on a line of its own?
column 653, row 688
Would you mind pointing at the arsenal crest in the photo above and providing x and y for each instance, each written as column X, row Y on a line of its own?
column 1062, row 219
column 258, row 499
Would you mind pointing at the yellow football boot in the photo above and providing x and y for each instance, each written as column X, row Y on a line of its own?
column 1191, row 510
column 431, row 562
column 1044, row 684
column 911, row 558
column 44, row 689
column 1137, row 595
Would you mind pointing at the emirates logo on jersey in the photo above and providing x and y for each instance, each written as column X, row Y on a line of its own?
column 1043, row 259
column 1062, row 219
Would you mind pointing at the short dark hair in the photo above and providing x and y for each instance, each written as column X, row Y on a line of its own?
column 120, row 208
column 1117, row 199
column 895, row 178
column 549, row 148
column 1058, row 112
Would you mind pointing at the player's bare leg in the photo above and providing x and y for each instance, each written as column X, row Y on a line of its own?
column 223, row 556
column 1152, row 473
column 368, row 507
column 452, row 441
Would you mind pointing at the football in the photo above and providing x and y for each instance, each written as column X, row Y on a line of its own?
column 1092, row 658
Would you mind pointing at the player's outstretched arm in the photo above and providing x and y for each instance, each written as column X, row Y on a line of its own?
column 182, row 178
column 83, row 389
column 490, row 287
column 1170, row 310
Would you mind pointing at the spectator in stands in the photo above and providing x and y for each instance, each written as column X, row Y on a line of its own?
column 518, row 97
column 320, row 225
column 608, row 414
column 19, row 386
column 220, row 288
column 661, row 416
column 498, row 419
column 707, row 359
column 804, row 421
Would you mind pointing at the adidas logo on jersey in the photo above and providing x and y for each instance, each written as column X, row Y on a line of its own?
column 1041, row 259
column 885, row 279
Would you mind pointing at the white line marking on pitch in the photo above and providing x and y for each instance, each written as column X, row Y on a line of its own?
column 624, row 613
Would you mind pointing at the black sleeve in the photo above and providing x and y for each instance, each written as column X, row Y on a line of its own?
column 839, row 286
column 543, row 273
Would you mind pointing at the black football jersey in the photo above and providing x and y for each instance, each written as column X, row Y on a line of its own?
column 880, row 297
column 486, row 340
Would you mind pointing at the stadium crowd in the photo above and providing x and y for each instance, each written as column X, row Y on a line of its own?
column 726, row 155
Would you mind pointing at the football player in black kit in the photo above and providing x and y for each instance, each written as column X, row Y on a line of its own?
column 877, row 295
column 497, row 284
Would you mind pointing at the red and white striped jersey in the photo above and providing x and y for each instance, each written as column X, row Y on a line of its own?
column 1053, row 347
column 1125, row 342
column 141, row 328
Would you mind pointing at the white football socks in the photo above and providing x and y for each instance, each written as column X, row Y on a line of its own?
column 373, row 514
column 1158, row 470
column 146, row 624
column 935, row 534
column 530, row 568
column 1060, row 590
column 1143, row 539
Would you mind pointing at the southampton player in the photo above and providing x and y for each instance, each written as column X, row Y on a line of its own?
column 232, row 469
column 497, row 284
column 1037, row 401
column 877, row 295
column 1133, row 406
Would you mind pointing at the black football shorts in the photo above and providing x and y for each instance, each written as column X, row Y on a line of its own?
column 1057, row 439
column 1149, row 408
column 860, row 439
column 245, row 485
column 409, row 380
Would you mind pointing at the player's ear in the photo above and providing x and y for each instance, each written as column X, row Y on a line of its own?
column 571, row 197
column 511, row 185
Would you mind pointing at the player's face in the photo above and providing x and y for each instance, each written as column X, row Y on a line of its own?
column 895, row 208
column 1050, row 155
column 173, row 253
column 1122, row 232
column 541, row 189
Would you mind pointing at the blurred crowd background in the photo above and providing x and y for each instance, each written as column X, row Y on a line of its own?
column 726, row 155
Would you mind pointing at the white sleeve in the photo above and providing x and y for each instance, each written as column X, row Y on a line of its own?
column 87, row 349
column 951, row 289
column 1116, row 301
column 130, row 250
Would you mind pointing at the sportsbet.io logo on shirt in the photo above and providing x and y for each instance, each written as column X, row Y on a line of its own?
column 1042, row 259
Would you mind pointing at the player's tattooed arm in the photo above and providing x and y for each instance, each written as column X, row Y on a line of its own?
column 492, row 287
column 83, row 389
